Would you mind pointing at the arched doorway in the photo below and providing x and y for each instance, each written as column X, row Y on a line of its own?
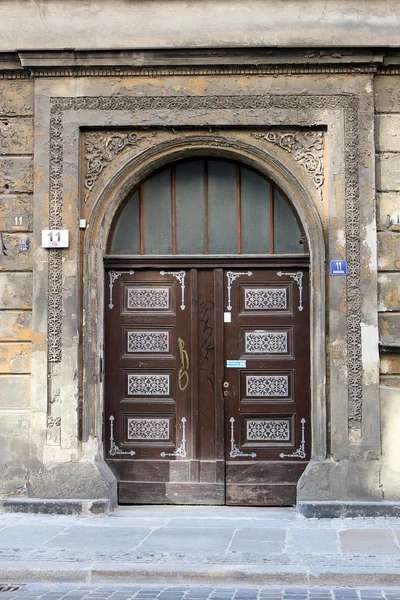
column 207, row 352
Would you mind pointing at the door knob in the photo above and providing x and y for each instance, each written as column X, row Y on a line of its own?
column 226, row 384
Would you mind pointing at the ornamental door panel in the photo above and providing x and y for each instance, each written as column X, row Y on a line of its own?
column 160, row 366
column 267, row 389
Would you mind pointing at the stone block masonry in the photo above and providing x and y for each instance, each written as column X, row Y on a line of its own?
column 16, row 219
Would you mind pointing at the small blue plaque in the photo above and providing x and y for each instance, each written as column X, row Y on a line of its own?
column 236, row 364
column 338, row 267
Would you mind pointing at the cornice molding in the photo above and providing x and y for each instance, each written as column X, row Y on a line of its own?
column 195, row 71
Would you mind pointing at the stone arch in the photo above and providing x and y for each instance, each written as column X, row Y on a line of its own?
column 278, row 166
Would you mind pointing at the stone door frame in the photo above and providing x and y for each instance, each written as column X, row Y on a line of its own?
column 328, row 206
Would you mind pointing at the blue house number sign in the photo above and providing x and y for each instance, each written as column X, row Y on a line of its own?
column 338, row 267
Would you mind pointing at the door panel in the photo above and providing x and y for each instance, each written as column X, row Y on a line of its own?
column 180, row 426
column 267, row 397
column 160, row 368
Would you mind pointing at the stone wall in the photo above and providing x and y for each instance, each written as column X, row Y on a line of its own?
column 30, row 440
column 16, row 208
column 387, row 136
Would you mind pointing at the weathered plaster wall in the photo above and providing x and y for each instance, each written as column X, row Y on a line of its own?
column 387, row 106
column 119, row 24
column 16, row 188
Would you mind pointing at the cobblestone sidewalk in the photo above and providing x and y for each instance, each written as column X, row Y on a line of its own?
column 162, row 592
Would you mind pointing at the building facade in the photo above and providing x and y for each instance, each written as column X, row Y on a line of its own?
column 199, row 216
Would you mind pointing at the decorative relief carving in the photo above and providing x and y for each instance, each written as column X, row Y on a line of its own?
column 148, row 385
column 265, row 299
column 148, row 429
column 268, row 430
column 349, row 105
column 267, row 385
column 148, row 298
column 266, row 342
column 306, row 147
column 100, row 149
column 53, row 434
column 148, row 341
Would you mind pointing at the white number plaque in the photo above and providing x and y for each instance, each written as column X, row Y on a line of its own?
column 55, row 238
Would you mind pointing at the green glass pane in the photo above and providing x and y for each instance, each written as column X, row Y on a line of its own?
column 125, row 239
column 190, row 207
column 222, row 207
column 287, row 232
column 255, row 207
column 157, row 214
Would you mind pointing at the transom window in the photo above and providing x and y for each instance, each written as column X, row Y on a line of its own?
column 207, row 206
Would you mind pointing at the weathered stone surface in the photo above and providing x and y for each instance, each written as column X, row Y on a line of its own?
column 389, row 292
column 355, row 541
column 16, row 135
column 15, row 391
column 15, row 358
column 389, row 251
column 387, row 133
column 390, row 364
column 71, row 480
column 390, row 381
column 387, row 172
column 14, row 257
column 16, row 174
column 390, row 416
column 16, row 98
column 14, row 443
column 389, row 328
column 387, row 94
column 387, row 203
column 15, row 326
column 15, row 290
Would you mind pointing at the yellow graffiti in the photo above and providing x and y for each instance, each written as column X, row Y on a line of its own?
column 183, row 375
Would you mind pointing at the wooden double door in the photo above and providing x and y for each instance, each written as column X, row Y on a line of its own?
column 207, row 382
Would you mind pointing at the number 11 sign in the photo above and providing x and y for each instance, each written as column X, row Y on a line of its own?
column 55, row 238
column 338, row 267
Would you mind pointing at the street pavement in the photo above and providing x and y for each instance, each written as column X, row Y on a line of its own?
column 162, row 592
column 199, row 546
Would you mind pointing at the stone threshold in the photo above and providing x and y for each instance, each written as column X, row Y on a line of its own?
column 41, row 506
column 339, row 509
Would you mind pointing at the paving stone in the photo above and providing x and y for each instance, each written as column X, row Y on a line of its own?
column 379, row 541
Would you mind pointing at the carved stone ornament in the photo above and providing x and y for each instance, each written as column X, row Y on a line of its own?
column 347, row 103
column 306, row 147
column 100, row 149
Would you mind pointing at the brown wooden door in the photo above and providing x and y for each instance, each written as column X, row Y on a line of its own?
column 267, row 396
column 181, row 426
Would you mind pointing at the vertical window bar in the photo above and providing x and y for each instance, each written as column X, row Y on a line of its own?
column 206, row 211
column 141, row 219
column 173, row 208
column 239, row 210
column 271, row 219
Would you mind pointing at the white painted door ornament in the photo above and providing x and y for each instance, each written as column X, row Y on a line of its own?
column 181, row 450
column 113, row 275
column 235, row 450
column 180, row 276
column 298, row 278
column 231, row 276
column 301, row 451
column 114, row 449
